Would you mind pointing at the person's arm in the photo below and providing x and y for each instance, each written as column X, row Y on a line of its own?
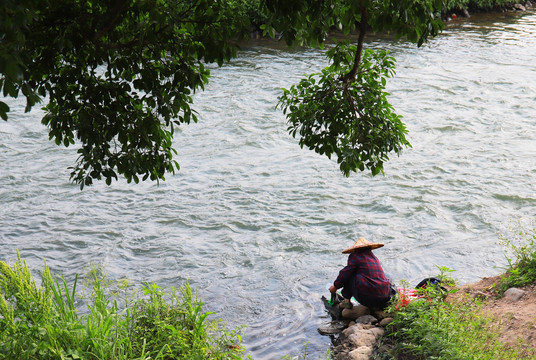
column 347, row 271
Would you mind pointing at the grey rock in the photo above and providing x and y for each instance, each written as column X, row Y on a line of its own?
column 364, row 338
column 377, row 332
column 352, row 330
column 357, row 342
column 355, row 312
column 366, row 319
column 514, row 294
column 381, row 315
column 386, row 321
column 356, row 357
column 361, row 353
column 331, row 328
column 340, row 349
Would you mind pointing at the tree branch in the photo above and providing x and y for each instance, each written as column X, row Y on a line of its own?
column 347, row 79
column 363, row 24
column 111, row 19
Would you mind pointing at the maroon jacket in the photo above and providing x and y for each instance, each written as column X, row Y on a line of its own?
column 365, row 271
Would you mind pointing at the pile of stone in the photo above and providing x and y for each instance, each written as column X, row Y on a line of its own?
column 357, row 334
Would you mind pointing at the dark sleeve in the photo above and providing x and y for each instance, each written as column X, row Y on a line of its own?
column 347, row 271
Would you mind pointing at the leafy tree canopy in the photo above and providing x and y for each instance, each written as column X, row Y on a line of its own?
column 343, row 111
column 119, row 74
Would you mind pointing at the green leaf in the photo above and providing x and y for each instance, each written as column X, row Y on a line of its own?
column 351, row 120
column 4, row 109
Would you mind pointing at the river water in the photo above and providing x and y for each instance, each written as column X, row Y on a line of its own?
column 257, row 224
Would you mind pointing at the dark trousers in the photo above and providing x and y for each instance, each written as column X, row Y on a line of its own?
column 373, row 302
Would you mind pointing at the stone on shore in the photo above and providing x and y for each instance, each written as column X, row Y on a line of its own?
column 514, row 294
column 355, row 312
column 361, row 353
column 355, row 332
column 357, row 342
column 386, row 321
column 366, row 319
column 331, row 328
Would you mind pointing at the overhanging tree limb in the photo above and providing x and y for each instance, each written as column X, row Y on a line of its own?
column 363, row 26
column 111, row 19
column 154, row 59
column 355, row 122
column 117, row 74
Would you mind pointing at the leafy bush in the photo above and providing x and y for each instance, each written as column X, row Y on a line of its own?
column 489, row 4
column 254, row 10
column 43, row 321
column 454, row 5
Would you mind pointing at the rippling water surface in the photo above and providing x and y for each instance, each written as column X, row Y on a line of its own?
column 257, row 224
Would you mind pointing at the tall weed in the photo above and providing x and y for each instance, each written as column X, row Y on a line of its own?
column 45, row 322
column 520, row 252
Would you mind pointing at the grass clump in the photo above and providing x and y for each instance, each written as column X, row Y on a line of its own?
column 520, row 252
column 431, row 328
column 43, row 321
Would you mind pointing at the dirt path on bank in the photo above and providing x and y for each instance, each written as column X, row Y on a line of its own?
column 515, row 319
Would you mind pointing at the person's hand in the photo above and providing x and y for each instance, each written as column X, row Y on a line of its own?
column 332, row 289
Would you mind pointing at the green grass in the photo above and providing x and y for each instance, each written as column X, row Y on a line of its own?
column 44, row 322
column 520, row 252
column 434, row 329
column 440, row 330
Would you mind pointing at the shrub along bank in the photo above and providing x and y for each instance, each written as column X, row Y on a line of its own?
column 44, row 322
column 480, row 5
column 259, row 16
column 432, row 328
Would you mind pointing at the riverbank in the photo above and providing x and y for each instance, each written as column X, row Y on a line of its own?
column 494, row 318
column 475, row 321
column 453, row 12
column 459, row 9
column 45, row 321
column 513, row 314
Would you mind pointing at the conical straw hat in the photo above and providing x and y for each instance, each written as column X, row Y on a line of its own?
column 361, row 243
